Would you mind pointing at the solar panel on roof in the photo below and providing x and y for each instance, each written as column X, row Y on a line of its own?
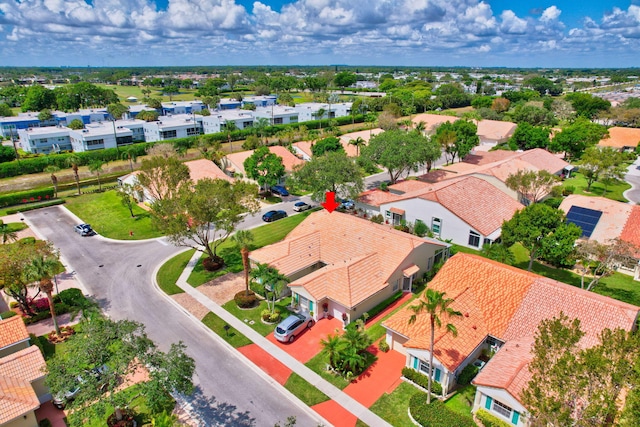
column 586, row 219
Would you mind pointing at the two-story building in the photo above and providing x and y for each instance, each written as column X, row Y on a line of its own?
column 217, row 120
column 277, row 114
column 171, row 127
column 320, row 110
column 96, row 136
column 45, row 140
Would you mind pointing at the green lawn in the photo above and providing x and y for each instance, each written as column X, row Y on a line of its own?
column 393, row 407
column 109, row 218
column 253, row 314
column 124, row 92
column 304, row 391
column 318, row 365
column 233, row 337
column 462, row 401
column 171, row 270
column 263, row 236
column 14, row 227
column 376, row 330
column 613, row 192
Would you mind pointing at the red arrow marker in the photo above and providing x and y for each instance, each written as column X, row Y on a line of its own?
column 330, row 203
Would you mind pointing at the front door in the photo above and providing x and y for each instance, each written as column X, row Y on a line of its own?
column 406, row 284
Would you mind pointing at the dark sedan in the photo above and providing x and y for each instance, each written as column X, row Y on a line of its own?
column 273, row 216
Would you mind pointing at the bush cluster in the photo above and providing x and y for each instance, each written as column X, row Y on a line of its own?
column 383, row 346
column 7, row 314
column 378, row 219
column 245, row 301
column 74, row 298
column 61, row 308
column 22, row 197
column 468, row 374
column 31, row 207
column 488, row 420
column 436, row 414
column 44, row 423
column 421, row 380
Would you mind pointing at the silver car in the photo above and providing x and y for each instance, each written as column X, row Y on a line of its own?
column 289, row 328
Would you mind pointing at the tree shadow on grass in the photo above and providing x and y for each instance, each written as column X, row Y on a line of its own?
column 207, row 411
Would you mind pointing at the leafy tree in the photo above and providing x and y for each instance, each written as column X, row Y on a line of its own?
column 251, row 143
column 527, row 136
column 576, row 137
column 163, row 177
column 52, row 169
column 75, row 124
column 38, row 98
column 74, row 162
column 243, row 239
column 7, row 154
column 326, row 145
column 230, row 126
column 42, row 269
column 204, row 215
column 5, row 110
column 499, row 252
column 129, row 153
column 573, row 385
column 7, row 234
column 117, row 110
column 170, row 90
column 536, row 226
column 264, row 167
column 45, row 115
column 482, row 102
column 333, row 171
column 95, row 167
column 344, row 79
column 532, row 186
column 436, row 306
column 457, row 138
column 533, row 115
column 154, row 103
column 148, row 115
column 124, row 348
column 587, row 105
column 596, row 160
column 125, row 193
column 500, row 105
column 399, row 151
column 544, row 86
column 600, row 259
column 387, row 121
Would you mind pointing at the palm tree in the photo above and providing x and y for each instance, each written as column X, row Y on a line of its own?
column 358, row 142
column 42, row 269
column 435, row 305
column 260, row 125
column 230, row 126
column 73, row 161
column 7, row 234
column 243, row 239
column 319, row 114
column 52, row 169
column 131, row 155
column 421, row 127
column 96, row 167
column 333, row 346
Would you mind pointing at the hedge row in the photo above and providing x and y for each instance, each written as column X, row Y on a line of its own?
column 39, row 164
column 421, row 380
column 33, row 206
column 489, row 420
column 436, row 414
column 28, row 196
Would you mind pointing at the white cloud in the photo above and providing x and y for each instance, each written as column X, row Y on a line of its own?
column 511, row 24
column 550, row 14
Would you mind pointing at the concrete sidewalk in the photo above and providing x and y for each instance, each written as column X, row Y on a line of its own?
column 337, row 395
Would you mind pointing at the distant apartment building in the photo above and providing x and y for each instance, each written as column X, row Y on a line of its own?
column 96, row 136
column 45, row 140
column 311, row 110
column 9, row 126
column 217, row 121
column 260, row 100
column 229, row 104
column 171, row 127
column 182, row 107
column 277, row 114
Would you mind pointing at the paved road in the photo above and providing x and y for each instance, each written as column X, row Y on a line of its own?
column 119, row 276
column 633, row 178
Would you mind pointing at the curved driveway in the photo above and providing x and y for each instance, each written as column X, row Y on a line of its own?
column 119, row 276
column 633, row 178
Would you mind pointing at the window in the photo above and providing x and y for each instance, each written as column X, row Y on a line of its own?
column 474, row 239
column 424, row 367
column 293, row 119
column 487, row 242
column 502, row 409
column 95, row 142
column 277, row 121
column 169, row 134
column 436, row 224
column 247, row 125
column 396, row 284
column 192, row 131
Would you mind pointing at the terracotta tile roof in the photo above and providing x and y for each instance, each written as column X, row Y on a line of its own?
column 17, row 371
column 408, row 185
column 204, row 168
column 495, row 130
column 432, row 121
column 620, row 137
column 305, row 147
column 486, row 157
column 437, row 175
column 377, row 197
column 352, row 249
column 631, row 230
column 615, row 216
column 543, row 160
column 288, row 158
column 12, row 330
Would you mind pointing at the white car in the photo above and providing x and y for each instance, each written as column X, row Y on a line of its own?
column 301, row 206
column 84, row 230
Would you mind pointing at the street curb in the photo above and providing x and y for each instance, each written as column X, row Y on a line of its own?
column 239, row 356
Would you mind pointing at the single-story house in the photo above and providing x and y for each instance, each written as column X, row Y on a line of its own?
column 432, row 121
column 235, row 161
column 468, row 210
column 22, row 375
column 501, row 308
column 623, row 139
column 198, row 169
column 493, row 132
column 303, row 148
column 348, row 264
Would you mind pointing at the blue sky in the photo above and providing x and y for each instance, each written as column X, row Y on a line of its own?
column 538, row 33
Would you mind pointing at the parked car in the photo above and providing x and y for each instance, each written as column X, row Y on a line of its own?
column 84, row 230
column 279, row 190
column 60, row 400
column 301, row 206
column 292, row 326
column 273, row 216
column 347, row 204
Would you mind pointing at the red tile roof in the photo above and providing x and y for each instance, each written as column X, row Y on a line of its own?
column 631, row 231
column 620, row 137
column 432, row 121
column 495, row 130
column 17, row 372
column 204, row 168
column 289, row 160
column 12, row 331
column 359, row 255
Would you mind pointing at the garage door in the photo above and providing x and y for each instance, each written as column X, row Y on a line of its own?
column 397, row 343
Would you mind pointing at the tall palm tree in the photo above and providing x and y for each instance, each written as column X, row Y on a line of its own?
column 52, row 169
column 74, row 161
column 358, row 142
column 435, row 305
column 230, row 126
column 42, row 269
column 96, row 167
column 319, row 114
column 6, row 234
column 333, row 346
column 129, row 154
column 244, row 239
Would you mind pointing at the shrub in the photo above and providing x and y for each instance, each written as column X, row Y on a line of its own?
column 421, row 380
column 44, row 423
column 74, row 297
column 60, row 308
column 275, row 316
column 436, row 414
column 41, row 304
column 245, row 301
column 384, row 304
column 569, row 189
column 420, row 228
column 488, row 420
column 468, row 373
column 383, row 346
column 23, row 197
column 34, row 206
column 378, row 219
column 384, row 186
column 35, row 341
column 265, row 314
column 554, row 202
column 7, row 314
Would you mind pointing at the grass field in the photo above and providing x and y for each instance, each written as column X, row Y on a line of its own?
column 109, row 218
column 232, row 336
column 304, row 391
column 613, row 191
column 170, row 271
column 393, row 407
column 254, row 314
column 462, row 401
